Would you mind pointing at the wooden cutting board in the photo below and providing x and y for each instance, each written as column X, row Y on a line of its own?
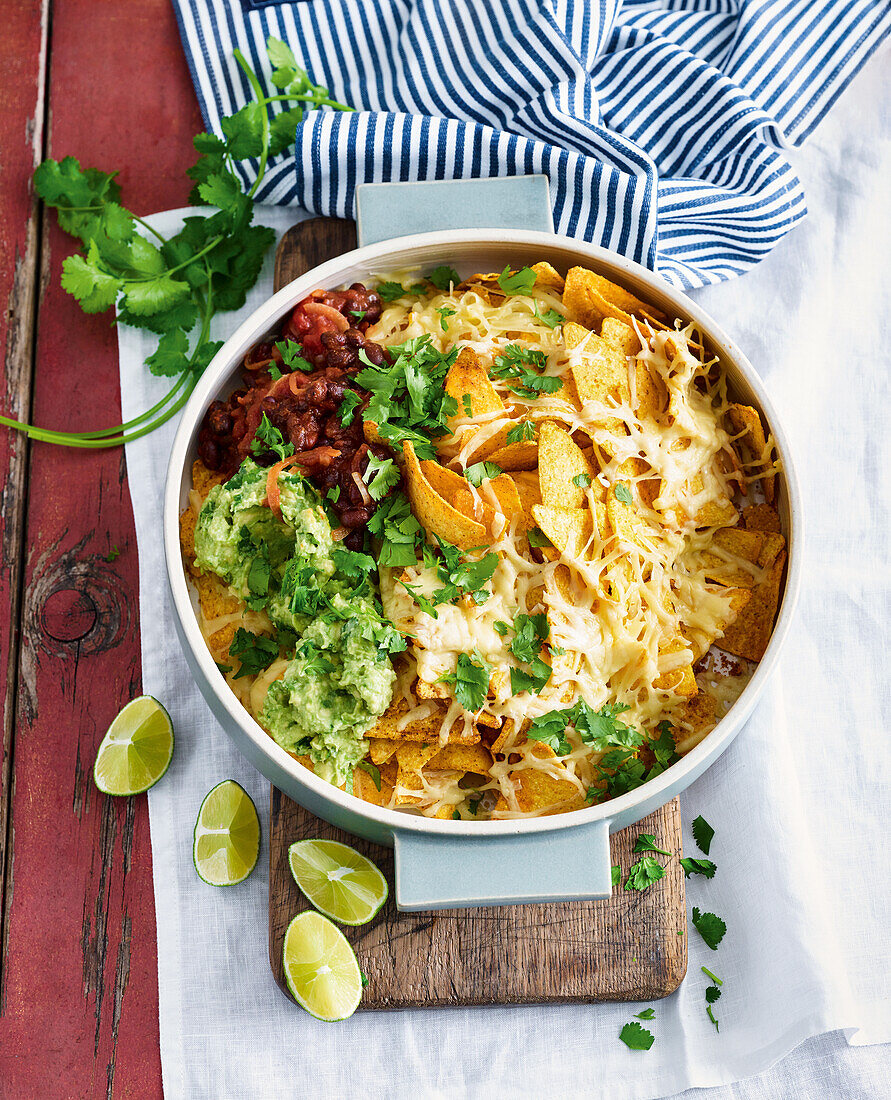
column 631, row 947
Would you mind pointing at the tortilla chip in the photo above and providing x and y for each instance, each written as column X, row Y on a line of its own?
column 568, row 530
column 466, row 758
column 448, row 483
column 547, row 276
column 421, row 729
column 529, row 493
column 700, row 640
column 468, row 377
column 507, row 495
column 434, row 512
column 747, row 420
column 626, row 524
column 365, row 787
column 559, row 461
column 516, row 456
column 476, row 509
column 680, row 680
column 371, row 434
column 380, row 749
column 590, row 298
column 620, row 335
column 431, row 691
column 537, row 790
column 749, row 634
column 204, row 479
column 412, row 757
column 758, row 547
column 599, row 371
column 761, row 517
column 700, row 713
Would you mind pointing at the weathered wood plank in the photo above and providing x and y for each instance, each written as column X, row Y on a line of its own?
column 80, row 1010
column 22, row 49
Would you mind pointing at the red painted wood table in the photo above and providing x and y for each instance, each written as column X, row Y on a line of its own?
column 104, row 81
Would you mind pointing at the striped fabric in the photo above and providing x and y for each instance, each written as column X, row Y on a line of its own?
column 661, row 124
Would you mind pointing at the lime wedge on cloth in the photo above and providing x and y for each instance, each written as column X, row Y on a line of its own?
column 337, row 880
column 137, row 749
column 227, row 835
column 321, row 968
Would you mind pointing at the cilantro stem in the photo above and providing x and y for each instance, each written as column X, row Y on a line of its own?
column 714, row 977
column 319, row 101
column 258, row 92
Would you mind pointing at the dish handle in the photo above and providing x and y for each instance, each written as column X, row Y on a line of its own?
column 464, row 872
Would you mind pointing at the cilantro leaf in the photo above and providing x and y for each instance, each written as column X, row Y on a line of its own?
column 517, row 282
column 519, row 367
column 537, row 537
column 374, row 772
column 647, row 1014
column 702, row 834
column 444, row 314
column 616, row 874
column 349, row 404
column 480, row 471
column 644, row 873
column 443, row 277
column 532, row 681
column 94, row 288
column 646, row 842
column 710, row 927
column 582, row 481
column 113, row 554
column 394, row 523
column 522, row 432
column 636, row 1037
column 255, row 651
column 471, row 682
column 467, row 404
column 693, row 866
column 292, row 354
column 390, row 291
column 353, row 564
column 463, row 576
column 712, row 993
column 551, row 730
column 622, row 492
column 172, row 355
column 269, row 438
column 530, row 631
column 551, row 317
column 663, row 749
column 381, row 474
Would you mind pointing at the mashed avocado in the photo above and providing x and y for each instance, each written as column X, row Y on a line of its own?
column 320, row 598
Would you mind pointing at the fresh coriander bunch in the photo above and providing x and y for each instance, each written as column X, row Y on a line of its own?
column 173, row 286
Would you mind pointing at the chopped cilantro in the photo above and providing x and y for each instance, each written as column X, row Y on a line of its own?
column 467, row 403
column 550, row 317
column 480, row 471
column 582, row 481
column 364, row 977
column 374, row 772
column 616, row 874
column 347, row 410
column 269, row 438
column 532, row 681
column 647, row 1014
column 520, row 366
column 702, row 834
column 444, row 313
column 420, row 599
column 714, row 977
column 390, row 291
column 551, row 730
column 710, row 927
column 636, row 1037
column 646, row 842
column 462, row 576
column 523, row 432
column 530, row 631
column 471, row 681
column 395, row 525
column 359, row 314
column 353, row 564
column 112, row 555
column 622, row 492
column 693, row 866
column 381, row 474
column 712, row 993
column 663, row 748
column 537, row 537
column 517, row 282
column 408, row 401
column 644, row 873
column 255, row 651
column 443, row 277
column 292, row 354
column 223, row 668
column 711, row 1016
column 501, row 627
column 333, row 494
column 274, row 372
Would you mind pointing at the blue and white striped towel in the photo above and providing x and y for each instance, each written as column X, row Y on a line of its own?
column 660, row 123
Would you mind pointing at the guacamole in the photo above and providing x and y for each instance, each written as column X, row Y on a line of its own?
column 321, row 601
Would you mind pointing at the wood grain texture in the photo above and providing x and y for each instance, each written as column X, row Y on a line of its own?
column 631, row 947
column 78, row 984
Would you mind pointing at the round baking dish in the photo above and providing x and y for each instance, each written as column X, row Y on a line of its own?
column 444, row 863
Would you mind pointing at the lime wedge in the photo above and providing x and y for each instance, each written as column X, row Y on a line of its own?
column 227, row 835
column 137, row 749
column 321, row 968
column 337, row 880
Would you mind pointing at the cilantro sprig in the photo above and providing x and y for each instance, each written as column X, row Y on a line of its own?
column 520, row 366
column 470, row 680
column 174, row 285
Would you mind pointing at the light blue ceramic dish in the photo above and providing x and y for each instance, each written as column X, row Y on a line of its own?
column 479, row 226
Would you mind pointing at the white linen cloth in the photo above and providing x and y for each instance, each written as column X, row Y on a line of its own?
column 798, row 802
